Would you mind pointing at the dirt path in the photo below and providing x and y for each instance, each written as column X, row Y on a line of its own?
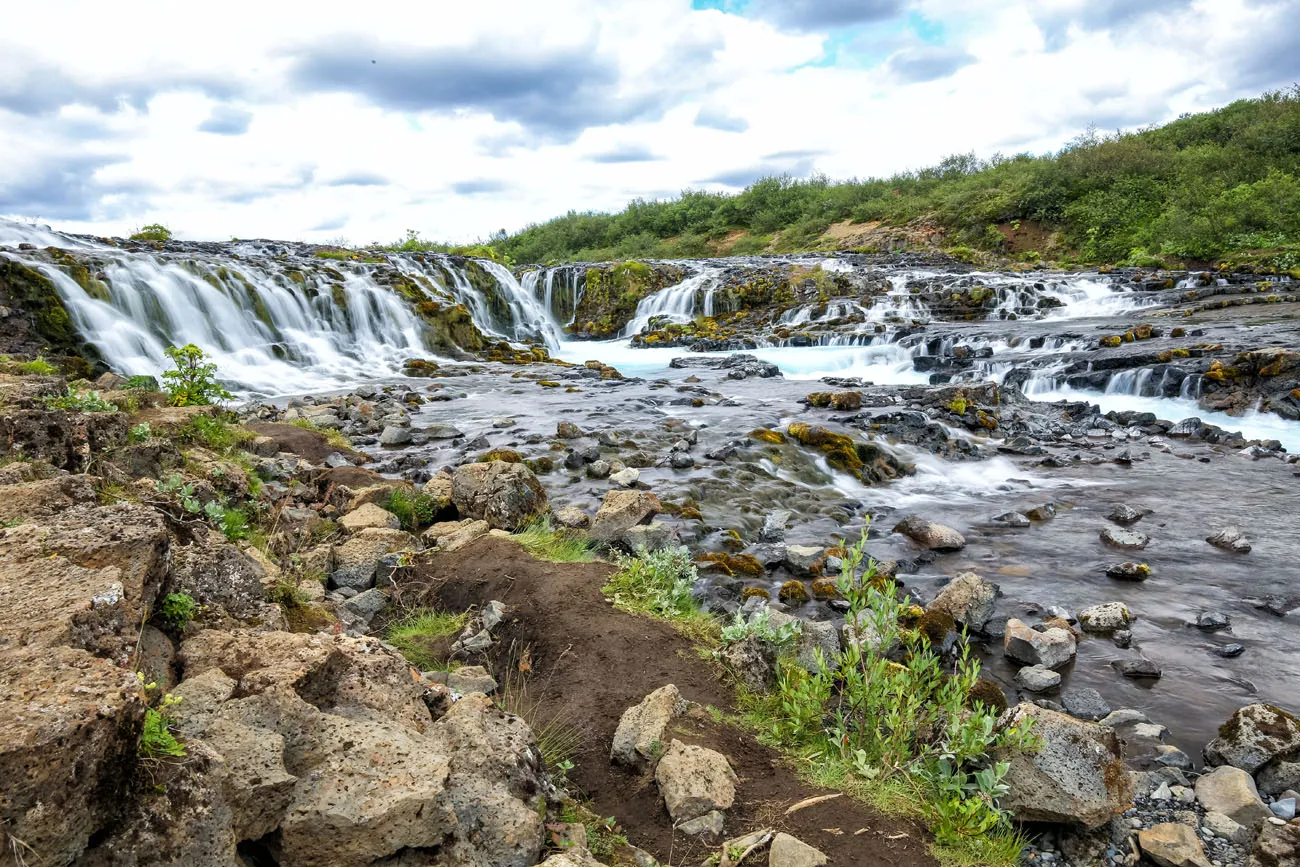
column 591, row 662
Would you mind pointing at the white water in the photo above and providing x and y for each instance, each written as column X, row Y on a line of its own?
column 681, row 303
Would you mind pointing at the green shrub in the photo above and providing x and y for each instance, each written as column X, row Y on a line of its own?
column 156, row 738
column 193, row 381
column 414, row 509
column 912, row 721
column 72, row 401
column 139, row 432
column 416, row 634
column 152, row 232
column 178, row 609
column 140, row 382
column 233, row 523
column 38, row 366
column 660, row 584
column 760, row 625
column 214, row 433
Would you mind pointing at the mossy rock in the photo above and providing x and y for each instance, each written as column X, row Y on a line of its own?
column 36, row 296
column 540, row 466
column 988, row 694
column 825, row 589
column 732, row 565
column 510, row 456
column 1110, row 342
column 755, row 593
column 935, row 626
column 793, row 593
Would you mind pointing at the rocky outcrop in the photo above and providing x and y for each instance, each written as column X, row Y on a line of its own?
column 506, row 495
column 1051, row 648
column 1077, row 775
column 1254, row 736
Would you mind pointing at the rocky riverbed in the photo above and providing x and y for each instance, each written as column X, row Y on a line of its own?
column 1093, row 474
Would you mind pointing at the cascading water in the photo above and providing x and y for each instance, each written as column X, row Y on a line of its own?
column 681, row 303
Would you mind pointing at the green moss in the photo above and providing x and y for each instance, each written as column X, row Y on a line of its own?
column 733, row 564
column 765, row 435
column 793, row 593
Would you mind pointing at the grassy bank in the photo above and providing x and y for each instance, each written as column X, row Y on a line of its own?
column 1218, row 187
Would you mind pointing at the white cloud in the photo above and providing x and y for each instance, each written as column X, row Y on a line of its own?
column 274, row 120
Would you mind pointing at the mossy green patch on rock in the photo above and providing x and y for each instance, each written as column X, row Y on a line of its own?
column 612, row 293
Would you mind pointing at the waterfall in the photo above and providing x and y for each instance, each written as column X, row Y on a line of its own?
column 274, row 318
column 1132, row 382
column 681, row 303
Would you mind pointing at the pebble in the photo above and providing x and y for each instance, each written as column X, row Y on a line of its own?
column 1213, row 621
column 1229, row 651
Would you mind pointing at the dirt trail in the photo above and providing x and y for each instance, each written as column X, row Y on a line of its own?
column 591, row 662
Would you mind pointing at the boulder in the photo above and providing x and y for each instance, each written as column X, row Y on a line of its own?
column 621, row 511
column 787, row 851
column 1254, row 736
column 356, row 560
column 752, row 661
column 1077, row 776
column 1128, row 540
column 694, row 780
column 1230, row 539
column 1037, row 678
column 1276, row 846
column 1231, row 791
column 651, row 537
column 44, row 498
column 639, row 739
column 573, row 518
column 1084, row 702
column 968, row 599
column 506, row 495
column 453, row 536
column 220, row 577
column 395, row 435
column 927, row 534
column 369, row 515
column 1277, row 777
column 626, row 477
column 1172, row 844
column 1051, row 648
column 1105, row 618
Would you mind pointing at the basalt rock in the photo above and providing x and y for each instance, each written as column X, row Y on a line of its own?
column 506, row 495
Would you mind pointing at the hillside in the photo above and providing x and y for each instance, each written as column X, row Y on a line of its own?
column 1223, row 186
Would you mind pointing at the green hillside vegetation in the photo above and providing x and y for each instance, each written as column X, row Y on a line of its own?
column 1218, row 187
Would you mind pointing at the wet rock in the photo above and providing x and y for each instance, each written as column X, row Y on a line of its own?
column 598, row 470
column 1045, row 512
column 394, row 435
column 1128, row 571
column 1138, row 669
column 1124, row 514
column 369, row 515
column 567, row 430
column 441, row 432
column 573, row 518
column 1254, row 736
column 622, row 510
column 787, row 851
column 1085, row 703
column 1278, row 777
column 1122, row 638
column 1188, row 427
column 1230, row 539
column 681, row 461
column 1229, row 651
column 1037, row 678
column 1231, row 791
column 1129, row 540
column 1012, row 519
column 1077, row 776
column 1212, row 621
column 801, row 558
column 1105, row 618
column 774, row 526
column 927, row 534
column 625, row 478
column 968, row 599
column 694, row 780
column 506, row 495
column 1051, row 648
column 639, row 739
column 1172, row 844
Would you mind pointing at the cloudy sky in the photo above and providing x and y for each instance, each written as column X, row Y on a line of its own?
column 286, row 120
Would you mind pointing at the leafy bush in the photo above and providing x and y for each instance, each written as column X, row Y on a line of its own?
column 178, row 609
column 760, row 626
column 152, row 232
column 193, row 381
column 214, row 433
column 414, row 509
column 908, row 721
column 660, row 584
column 139, row 432
column 140, row 382
column 73, row 401
column 38, row 366
column 156, row 738
column 233, row 523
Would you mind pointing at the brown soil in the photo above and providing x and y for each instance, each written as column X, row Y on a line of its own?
column 304, row 443
column 590, row 662
column 1026, row 236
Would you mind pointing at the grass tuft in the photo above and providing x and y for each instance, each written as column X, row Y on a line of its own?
column 545, row 542
column 416, row 634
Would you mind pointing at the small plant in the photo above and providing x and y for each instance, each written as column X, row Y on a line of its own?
column 178, row 609
column 760, row 625
column 72, row 401
column 660, row 584
column 559, row 739
column 233, row 523
column 139, row 382
column 414, row 509
column 175, row 486
column 156, row 738
column 193, row 381
column 152, row 232
column 214, row 433
column 417, row 634
column 38, row 366
column 544, row 542
column 139, row 432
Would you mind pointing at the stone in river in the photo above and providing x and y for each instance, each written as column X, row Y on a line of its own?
column 1012, row 519
column 1052, row 648
column 1124, row 514
column 1230, row 539
column 1137, row 668
column 1084, row 703
column 1212, row 621
column 1129, row 571
column 1130, row 540
column 928, row 534
column 1228, row 651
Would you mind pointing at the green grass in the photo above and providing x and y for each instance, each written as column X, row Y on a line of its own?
column 416, row 633
column 72, row 401
column 545, row 542
column 332, row 436
column 38, row 366
column 558, row 738
column 215, row 434
column 414, row 509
